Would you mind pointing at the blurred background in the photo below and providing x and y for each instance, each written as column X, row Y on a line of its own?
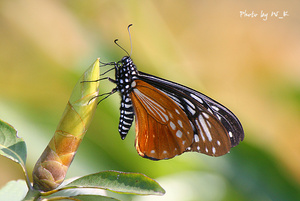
column 250, row 64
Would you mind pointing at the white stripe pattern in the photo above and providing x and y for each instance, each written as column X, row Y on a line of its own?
column 153, row 106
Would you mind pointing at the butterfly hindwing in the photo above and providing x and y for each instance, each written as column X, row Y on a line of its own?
column 211, row 137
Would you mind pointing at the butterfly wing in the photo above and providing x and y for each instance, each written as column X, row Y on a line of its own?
column 162, row 128
column 207, row 115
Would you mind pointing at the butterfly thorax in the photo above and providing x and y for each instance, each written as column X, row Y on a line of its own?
column 125, row 73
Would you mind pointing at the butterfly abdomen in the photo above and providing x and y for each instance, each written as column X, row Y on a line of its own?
column 125, row 73
column 126, row 115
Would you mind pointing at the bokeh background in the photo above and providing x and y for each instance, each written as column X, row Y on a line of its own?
column 249, row 64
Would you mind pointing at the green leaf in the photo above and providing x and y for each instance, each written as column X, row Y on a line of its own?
column 85, row 198
column 133, row 183
column 14, row 191
column 93, row 198
column 11, row 146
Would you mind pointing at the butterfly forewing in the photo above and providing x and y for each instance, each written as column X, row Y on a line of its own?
column 162, row 128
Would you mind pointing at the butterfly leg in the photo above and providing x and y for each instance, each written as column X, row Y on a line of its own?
column 107, row 94
column 111, row 80
column 94, row 80
column 108, row 71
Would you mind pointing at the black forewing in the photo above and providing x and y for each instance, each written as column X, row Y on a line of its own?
column 225, row 116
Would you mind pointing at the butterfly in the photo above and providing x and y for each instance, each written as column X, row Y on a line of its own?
column 170, row 118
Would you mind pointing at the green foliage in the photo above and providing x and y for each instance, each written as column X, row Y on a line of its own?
column 11, row 146
column 74, row 124
column 121, row 182
column 262, row 174
column 14, row 191
column 90, row 198
column 14, row 148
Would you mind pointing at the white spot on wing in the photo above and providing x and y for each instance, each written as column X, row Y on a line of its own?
column 170, row 115
column 172, row 125
column 196, row 137
column 205, row 128
column 214, row 150
column 196, row 98
column 205, row 115
column 180, row 123
column 215, row 108
column 189, row 103
column 191, row 110
column 200, row 129
column 209, row 125
column 179, row 134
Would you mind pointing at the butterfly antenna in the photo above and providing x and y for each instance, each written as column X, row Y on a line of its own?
column 115, row 41
column 107, row 64
column 130, row 39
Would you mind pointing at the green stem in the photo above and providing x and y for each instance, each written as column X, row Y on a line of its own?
column 30, row 187
column 63, row 198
